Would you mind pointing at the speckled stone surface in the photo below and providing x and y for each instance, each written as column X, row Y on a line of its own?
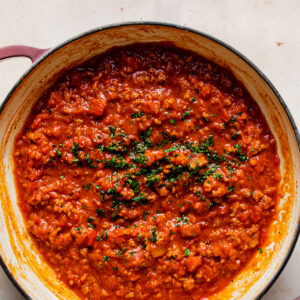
column 267, row 32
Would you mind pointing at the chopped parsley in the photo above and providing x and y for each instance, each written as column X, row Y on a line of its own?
column 117, row 162
column 90, row 219
column 137, row 115
column 58, row 153
column 100, row 212
column 230, row 189
column 145, row 135
column 200, row 196
column 242, row 157
column 185, row 114
column 153, row 237
column 187, row 252
column 105, row 258
column 140, row 199
column 75, row 150
column 112, row 130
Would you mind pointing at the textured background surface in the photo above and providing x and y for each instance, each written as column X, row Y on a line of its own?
column 267, row 32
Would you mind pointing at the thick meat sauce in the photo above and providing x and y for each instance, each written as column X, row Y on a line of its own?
column 147, row 173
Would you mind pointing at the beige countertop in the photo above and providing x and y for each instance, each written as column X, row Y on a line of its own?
column 267, row 32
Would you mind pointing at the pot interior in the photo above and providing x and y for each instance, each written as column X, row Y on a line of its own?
column 17, row 249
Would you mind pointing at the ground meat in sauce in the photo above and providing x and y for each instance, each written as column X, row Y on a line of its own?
column 147, row 173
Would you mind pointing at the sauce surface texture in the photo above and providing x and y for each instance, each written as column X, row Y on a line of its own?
column 147, row 173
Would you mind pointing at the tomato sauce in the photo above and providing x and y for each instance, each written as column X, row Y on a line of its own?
column 147, row 173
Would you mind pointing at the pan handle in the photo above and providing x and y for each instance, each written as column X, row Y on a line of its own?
column 19, row 50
